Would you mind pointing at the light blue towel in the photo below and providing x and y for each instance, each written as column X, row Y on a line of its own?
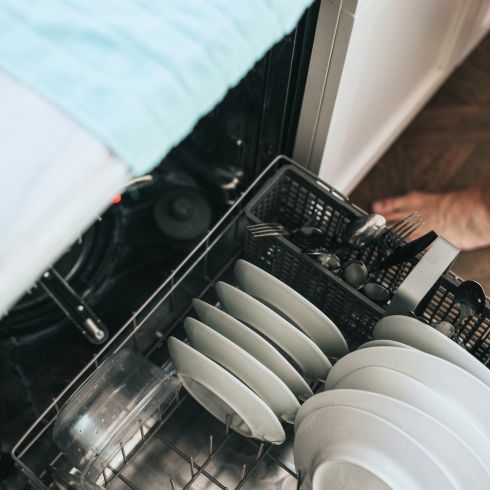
column 139, row 73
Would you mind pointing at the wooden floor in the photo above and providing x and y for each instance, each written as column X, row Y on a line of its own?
column 447, row 147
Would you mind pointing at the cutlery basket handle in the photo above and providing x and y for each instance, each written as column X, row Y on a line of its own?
column 423, row 277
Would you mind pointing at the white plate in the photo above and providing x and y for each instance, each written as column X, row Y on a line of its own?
column 417, row 334
column 406, row 389
column 343, row 474
column 383, row 343
column 457, row 458
column 306, row 316
column 221, row 394
column 346, row 433
column 459, row 387
column 255, row 375
column 254, row 344
column 302, row 350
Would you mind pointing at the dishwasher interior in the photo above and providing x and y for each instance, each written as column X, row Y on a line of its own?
column 186, row 447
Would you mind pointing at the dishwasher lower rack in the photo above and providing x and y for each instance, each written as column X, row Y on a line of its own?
column 188, row 448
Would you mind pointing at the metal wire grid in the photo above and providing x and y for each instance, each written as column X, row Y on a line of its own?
column 195, row 470
column 475, row 332
column 146, row 434
column 36, row 444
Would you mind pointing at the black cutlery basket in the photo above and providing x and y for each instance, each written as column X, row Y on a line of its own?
column 294, row 197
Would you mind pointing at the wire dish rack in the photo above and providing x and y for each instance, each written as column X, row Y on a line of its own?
column 187, row 447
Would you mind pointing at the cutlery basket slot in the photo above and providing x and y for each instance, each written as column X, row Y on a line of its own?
column 439, row 305
column 295, row 198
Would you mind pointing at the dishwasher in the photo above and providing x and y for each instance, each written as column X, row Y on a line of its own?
column 185, row 447
column 134, row 262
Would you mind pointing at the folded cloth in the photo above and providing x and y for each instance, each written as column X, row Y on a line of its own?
column 138, row 74
column 48, row 193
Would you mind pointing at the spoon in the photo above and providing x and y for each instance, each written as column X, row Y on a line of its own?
column 307, row 236
column 330, row 261
column 364, row 230
column 446, row 328
column 326, row 258
column 469, row 298
column 408, row 251
column 376, row 292
column 355, row 273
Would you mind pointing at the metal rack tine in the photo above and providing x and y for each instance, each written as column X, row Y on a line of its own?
column 205, row 261
column 300, row 479
column 191, row 463
column 171, row 299
column 123, row 452
column 227, row 424
column 210, row 444
column 134, row 324
column 243, row 472
column 172, row 483
column 259, row 452
column 140, row 423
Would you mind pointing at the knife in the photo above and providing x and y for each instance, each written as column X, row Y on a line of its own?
column 409, row 250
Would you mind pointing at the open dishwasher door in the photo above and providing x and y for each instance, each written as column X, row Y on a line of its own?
column 112, row 99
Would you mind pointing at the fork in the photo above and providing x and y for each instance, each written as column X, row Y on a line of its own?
column 262, row 230
column 396, row 234
column 304, row 237
column 393, row 237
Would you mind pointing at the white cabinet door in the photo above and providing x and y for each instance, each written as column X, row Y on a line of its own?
column 398, row 54
column 475, row 25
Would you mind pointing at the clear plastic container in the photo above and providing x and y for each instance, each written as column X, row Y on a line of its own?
column 108, row 416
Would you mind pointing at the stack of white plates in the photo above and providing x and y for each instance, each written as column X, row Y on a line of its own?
column 408, row 410
column 248, row 365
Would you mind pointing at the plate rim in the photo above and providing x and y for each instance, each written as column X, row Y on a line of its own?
column 295, row 376
column 345, row 396
column 192, row 326
column 343, row 420
column 431, row 335
column 337, row 350
column 188, row 350
column 228, row 293
column 383, row 357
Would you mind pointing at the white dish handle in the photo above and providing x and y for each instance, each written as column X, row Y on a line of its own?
column 423, row 277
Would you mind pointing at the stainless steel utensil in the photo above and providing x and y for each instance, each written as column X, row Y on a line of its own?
column 364, row 230
column 470, row 299
column 276, row 229
column 355, row 273
column 376, row 292
column 408, row 251
column 316, row 251
column 446, row 328
column 327, row 259
column 398, row 233
column 330, row 261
